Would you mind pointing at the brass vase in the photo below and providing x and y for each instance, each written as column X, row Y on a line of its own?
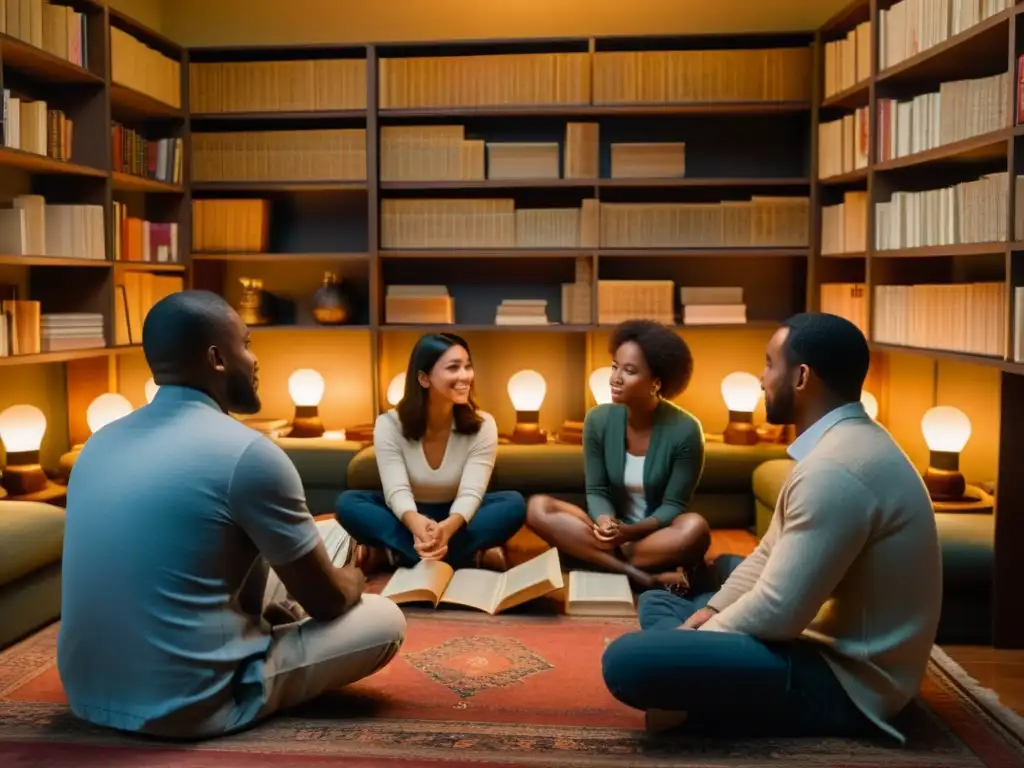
column 332, row 303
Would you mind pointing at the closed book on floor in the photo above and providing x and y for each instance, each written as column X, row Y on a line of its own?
column 599, row 594
column 435, row 582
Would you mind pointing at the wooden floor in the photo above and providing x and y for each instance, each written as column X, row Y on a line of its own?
column 1001, row 671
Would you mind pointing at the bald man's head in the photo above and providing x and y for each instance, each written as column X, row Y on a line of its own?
column 195, row 339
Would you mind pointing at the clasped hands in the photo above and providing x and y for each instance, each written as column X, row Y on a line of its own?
column 611, row 534
column 430, row 538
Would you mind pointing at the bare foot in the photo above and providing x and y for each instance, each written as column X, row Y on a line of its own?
column 642, row 580
column 371, row 560
column 492, row 559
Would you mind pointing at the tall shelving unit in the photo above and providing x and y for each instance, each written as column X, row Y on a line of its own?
column 723, row 164
column 986, row 49
column 93, row 100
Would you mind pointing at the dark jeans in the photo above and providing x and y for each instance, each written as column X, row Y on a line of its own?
column 367, row 517
column 727, row 683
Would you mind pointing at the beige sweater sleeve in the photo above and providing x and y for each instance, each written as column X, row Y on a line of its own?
column 476, row 473
column 746, row 574
column 388, row 444
column 825, row 523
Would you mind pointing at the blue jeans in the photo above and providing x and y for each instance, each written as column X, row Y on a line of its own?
column 727, row 683
column 367, row 517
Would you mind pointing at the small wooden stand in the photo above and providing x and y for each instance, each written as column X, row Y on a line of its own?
column 975, row 502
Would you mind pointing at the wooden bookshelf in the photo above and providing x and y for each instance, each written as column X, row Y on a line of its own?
column 328, row 206
column 955, row 155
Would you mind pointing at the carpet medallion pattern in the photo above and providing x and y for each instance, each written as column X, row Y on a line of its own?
column 474, row 691
column 469, row 665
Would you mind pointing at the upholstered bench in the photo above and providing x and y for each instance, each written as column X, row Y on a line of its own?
column 967, row 542
column 31, row 544
column 725, row 496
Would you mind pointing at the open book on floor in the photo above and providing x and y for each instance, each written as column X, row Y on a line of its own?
column 599, row 594
column 435, row 582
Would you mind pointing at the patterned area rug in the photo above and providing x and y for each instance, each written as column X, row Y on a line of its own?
column 471, row 690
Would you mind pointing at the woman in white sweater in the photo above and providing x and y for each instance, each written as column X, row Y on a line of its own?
column 435, row 454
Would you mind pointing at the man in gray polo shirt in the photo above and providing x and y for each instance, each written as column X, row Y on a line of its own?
column 175, row 515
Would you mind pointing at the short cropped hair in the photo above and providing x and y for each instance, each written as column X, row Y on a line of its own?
column 667, row 355
column 181, row 327
column 831, row 346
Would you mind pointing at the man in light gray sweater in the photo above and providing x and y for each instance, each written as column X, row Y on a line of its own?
column 826, row 629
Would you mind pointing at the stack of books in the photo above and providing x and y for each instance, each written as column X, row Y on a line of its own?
column 522, row 312
column 72, row 330
column 716, row 305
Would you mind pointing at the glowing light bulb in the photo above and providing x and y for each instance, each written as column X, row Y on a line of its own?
column 22, row 428
column 526, row 390
column 106, row 408
column 741, row 392
column 600, row 385
column 306, row 387
column 396, row 390
column 946, row 429
column 870, row 404
column 151, row 389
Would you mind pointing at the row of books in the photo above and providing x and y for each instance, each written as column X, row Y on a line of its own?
column 844, row 227
column 139, row 240
column 157, row 159
column 32, row 127
column 496, row 223
column 957, row 317
column 969, row 212
column 959, row 110
column 230, row 226
column 848, row 60
column 313, row 155
column 846, row 300
column 33, row 227
column 843, row 144
column 910, row 27
column 142, row 68
column 56, row 29
column 25, row 330
column 307, row 85
column 619, row 77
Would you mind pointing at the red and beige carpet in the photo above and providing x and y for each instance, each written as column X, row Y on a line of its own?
column 471, row 690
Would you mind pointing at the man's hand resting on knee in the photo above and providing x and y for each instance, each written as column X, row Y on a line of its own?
column 323, row 590
column 698, row 618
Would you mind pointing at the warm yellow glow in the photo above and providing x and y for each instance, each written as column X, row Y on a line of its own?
column 335, row 434
column 22, row 428
column 306, row 387
column 106, row 408
column 526, row 390
column 151, row 389
column 741, row 391
column 600, row 385
column 870, row 403
column 946, row 429
column 396, row 390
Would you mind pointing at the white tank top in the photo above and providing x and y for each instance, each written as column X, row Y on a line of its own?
column 633, row 481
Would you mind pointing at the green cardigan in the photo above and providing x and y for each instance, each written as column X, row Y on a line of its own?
column 672, row 468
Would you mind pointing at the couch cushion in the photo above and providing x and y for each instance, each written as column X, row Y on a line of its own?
column 968, row 551
column 729, row 468
column 31, row 537
column 322, row 462
column 768, row 479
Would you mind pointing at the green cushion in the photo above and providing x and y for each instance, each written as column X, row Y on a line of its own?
column 767, row 481
column 322, row 462
column 967, row 540
column 31, row 537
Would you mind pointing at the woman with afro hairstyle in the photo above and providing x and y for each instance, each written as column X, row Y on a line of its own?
column 643, row 458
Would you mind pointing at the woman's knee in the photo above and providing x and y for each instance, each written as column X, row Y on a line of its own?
column 538, row 507
column 694, row 530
